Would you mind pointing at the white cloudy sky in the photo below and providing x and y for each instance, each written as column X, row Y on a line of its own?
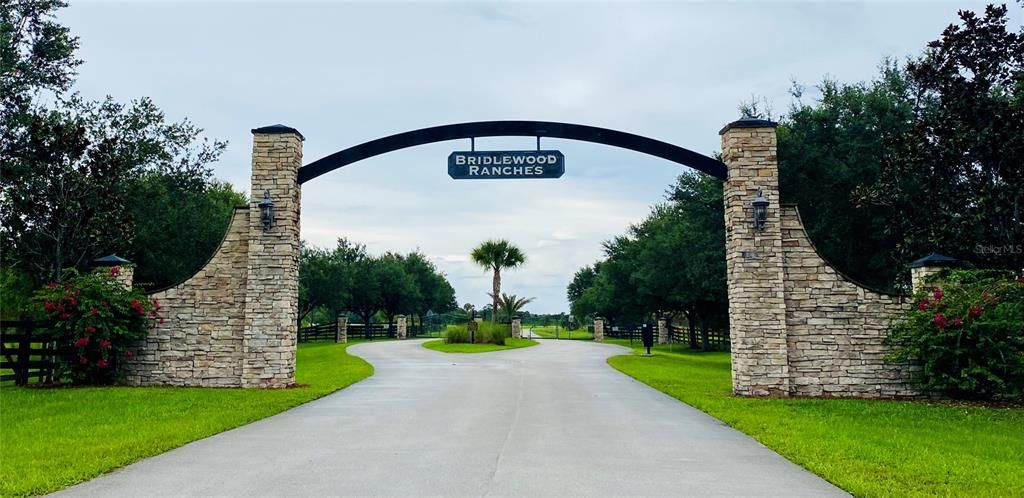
column 345, row 73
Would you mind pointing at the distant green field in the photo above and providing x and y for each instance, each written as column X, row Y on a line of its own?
column 549, row 332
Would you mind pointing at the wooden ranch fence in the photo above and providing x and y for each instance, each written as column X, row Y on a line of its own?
column 27, row 351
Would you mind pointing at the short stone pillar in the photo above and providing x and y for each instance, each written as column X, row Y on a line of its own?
column 402, row 331
column 754, row 260
column 517, row 327
column 599, row 329
column 341, row 333
column 272, row 270
column 927, row 266
column 122, row 270
column 662, row 331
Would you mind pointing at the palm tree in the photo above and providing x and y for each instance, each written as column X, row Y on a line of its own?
column 511, row 304
column 496, row 255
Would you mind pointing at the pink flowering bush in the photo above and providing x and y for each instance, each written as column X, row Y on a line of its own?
column 95, row 322
column 966, row 331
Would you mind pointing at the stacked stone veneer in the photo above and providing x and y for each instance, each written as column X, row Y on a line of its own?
column 835, row 328
column 599, row 329
column 200, row 340
column 753, row 259
column 234, row 323
column 797, row 326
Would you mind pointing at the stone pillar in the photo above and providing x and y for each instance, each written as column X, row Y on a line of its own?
column 401, row 327
column 341, row 334
column 122, row 270
column 598, row 329
column 126, row 275
column 272, row 269
column 927, row 266
column 757, row 307
column 517, row 327
column 662, row 331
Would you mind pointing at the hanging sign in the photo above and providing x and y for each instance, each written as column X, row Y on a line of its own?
column 505, row 164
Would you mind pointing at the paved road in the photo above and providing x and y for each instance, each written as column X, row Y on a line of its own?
column 552, row 420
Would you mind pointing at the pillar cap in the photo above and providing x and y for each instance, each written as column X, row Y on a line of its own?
column 935, row 260
column 277, row 129
column 112, row 260
column 748, row 122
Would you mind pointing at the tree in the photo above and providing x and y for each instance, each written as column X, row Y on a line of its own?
column 497, row 255
column 954, row 182
column 510, row 304
column 434, row 292
column 672, row 262
column 36, row 55
column 178, row 228
column 365, row 300
column 832, row 147
column 581, row 281
column 398, row 291
column 66, row 189
column 925, row 157
column 68, row 167
column 328, row 278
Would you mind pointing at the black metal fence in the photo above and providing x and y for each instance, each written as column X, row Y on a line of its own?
column 27, row 350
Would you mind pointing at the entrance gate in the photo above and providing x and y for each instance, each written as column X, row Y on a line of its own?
column 797, row 326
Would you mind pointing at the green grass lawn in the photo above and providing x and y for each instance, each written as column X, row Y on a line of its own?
column 439, row 345
column 867, row 447
column 53, row 438
column 548, row 332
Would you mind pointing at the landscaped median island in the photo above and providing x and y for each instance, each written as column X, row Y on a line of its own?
column 867, row 447
column 54, row 438
column 440, row 345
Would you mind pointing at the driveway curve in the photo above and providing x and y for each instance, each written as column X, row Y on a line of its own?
column 548, row 420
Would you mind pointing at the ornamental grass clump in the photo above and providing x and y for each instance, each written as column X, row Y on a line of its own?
column 96, row 322
column 456, row 334
column 486, row 333
column 966, row 332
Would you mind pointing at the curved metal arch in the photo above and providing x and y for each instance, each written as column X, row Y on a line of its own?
column 584, row 133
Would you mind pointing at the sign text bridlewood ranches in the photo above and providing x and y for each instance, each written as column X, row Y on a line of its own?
column 505, row 164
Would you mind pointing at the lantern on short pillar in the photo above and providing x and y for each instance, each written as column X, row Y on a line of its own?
column 267, row 211
column 760, row 205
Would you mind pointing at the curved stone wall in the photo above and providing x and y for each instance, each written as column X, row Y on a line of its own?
column 835, row 328
column 200, row 342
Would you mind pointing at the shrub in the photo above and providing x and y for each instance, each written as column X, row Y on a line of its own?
column 96, row 321
column 494, row 333
column 486, row 333
column 456, row 334
column 966, row 331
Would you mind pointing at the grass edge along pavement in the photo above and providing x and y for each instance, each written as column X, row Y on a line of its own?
column 439, row 345
column 54, row 438
column 866, row 447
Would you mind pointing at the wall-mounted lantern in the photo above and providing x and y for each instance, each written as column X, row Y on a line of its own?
column 760, row 204
column 267, row 211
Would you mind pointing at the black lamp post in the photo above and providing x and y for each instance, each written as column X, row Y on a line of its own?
column 760, row 204
column 267, row 211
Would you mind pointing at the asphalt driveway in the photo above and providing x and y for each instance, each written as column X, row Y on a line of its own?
column 549, row 420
